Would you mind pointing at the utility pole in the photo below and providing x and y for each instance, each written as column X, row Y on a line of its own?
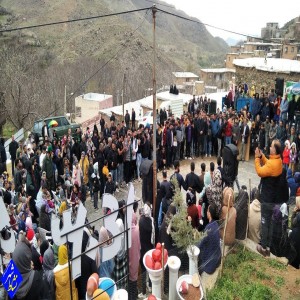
column 65, row 101
column 154, row 10
column 123, row 92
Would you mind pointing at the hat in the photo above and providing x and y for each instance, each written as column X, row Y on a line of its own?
column 83, row 153
column 49, row 149
column 109, row 174
column 30, row 234
column 62, row 254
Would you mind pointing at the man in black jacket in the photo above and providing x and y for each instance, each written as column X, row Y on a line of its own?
column 192, row 180
column 2, row 156
column 127, row 119
column 13, row 146
column 133, row 118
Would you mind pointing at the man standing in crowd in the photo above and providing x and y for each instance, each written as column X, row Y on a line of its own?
column 13, row 146
column 127, row 119
column 245, row 134
column 269, row 170
column 133, row 119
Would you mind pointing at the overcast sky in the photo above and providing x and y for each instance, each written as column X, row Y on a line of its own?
column 246, row 17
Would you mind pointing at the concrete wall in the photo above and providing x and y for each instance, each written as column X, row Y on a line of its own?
column 290, row 51
column 90, row 108
column 261, row 78
column 220, row 80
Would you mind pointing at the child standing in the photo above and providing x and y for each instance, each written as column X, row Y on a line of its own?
column 293, row 157
column 96, row 189
column 110, row 186
column 286, row 155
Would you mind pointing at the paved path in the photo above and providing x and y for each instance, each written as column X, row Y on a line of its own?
column 246, row 171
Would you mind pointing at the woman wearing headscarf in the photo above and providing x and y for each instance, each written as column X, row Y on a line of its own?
column 147, row 238
column 228, row 201
column 44, row 220
column 88, row 266
column 48, row 275
column 203, row 198
column 214, row 190
column 61, row 275
column 120, row 268
column 31, row 187
column 31, row 286
column 106, row 267
column 134, row 258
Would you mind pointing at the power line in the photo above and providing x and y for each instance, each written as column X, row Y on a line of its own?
column 96, row 72
column 212, row 26
column 104, row 65
column 75, row 20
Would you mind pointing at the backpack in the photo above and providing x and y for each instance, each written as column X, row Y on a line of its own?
column 230, row 164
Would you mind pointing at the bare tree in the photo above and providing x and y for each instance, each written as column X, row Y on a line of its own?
column 18, row 79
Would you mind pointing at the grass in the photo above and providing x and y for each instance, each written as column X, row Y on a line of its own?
column 8, row 130
column 248, row 276
column 279, row 281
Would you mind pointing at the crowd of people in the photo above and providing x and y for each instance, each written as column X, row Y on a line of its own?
column 56, row 174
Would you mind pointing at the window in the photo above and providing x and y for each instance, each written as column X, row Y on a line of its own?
column 292, row 50
column 285, row 49
column 78, row 111
column 64, row 122
column 38, row 126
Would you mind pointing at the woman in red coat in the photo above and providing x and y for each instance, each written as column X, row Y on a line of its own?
column 228, row 132
column 286, row 155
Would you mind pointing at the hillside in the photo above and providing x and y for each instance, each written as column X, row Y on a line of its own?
column 79, row 49
column 290, row 29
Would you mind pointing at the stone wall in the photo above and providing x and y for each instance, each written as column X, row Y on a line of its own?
column 260, row 79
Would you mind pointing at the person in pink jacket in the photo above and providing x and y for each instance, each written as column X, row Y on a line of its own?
column 134, row 259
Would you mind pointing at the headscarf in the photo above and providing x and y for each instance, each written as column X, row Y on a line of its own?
column 228, row 192
column 147, row 213
column 103, row 236
column 121, row 252
column 28, row 223
column 62, row 255
column 214, row 190
column 48, row 265
column 22, row 257
column 207, row 182
column 62, row 207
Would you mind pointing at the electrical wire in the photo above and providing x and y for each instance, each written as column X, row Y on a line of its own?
column 74, row 20
column 96, row 72
column 215, row 27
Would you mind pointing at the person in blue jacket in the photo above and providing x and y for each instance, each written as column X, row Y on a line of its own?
column 210, row 248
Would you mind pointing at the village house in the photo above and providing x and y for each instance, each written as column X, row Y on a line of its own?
column 261, row 72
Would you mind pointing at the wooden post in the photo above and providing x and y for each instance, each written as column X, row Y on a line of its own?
column 224, row 235
column 248, row 213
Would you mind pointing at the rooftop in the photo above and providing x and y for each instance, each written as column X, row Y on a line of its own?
column 185, row 75
column 220, row 70
column 270, row 64
column 95, row 97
